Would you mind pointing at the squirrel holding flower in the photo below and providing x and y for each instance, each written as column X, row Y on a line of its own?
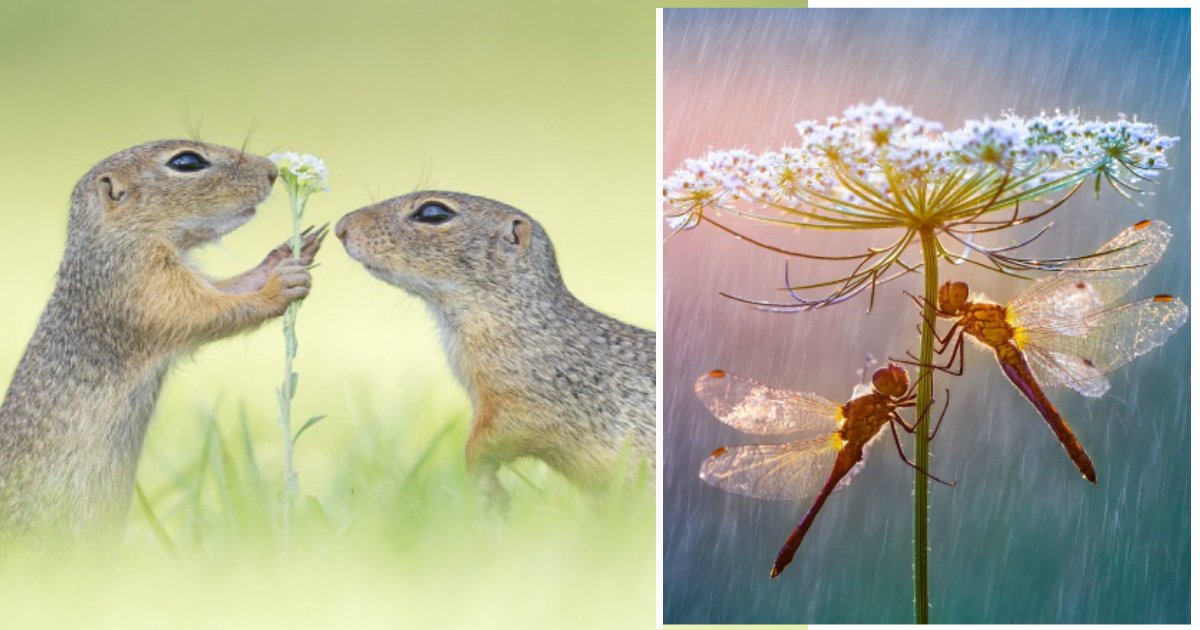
column 126, row 303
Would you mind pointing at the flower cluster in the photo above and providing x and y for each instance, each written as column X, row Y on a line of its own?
column 302, row 173
column 880, row 155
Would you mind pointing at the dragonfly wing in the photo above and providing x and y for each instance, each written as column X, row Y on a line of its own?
column 1087, row 285
column 1115, row 336
column 751, row 407
column 780, row 472
column 1052, row 368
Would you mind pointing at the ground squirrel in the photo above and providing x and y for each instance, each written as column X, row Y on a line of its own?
column 548, row 376
column 125, row 303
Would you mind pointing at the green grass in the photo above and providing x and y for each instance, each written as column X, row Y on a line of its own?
column 389, row 532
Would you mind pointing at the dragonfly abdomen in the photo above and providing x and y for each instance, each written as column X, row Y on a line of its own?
column 1017, row 370
column 846, row 460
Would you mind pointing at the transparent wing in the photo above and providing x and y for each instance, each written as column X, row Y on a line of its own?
column 1052, row 368
column 778, row 472
column 1114, row 336
column 1061, row 301
column 751, row 407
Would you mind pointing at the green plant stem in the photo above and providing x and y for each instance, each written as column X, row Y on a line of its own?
column 924, row 401
column 291, row 485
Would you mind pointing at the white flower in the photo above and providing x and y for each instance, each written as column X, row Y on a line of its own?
column 302, row 173
column 886, row 152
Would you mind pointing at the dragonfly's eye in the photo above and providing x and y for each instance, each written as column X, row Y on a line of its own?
column 891, row 380
column 952, row 296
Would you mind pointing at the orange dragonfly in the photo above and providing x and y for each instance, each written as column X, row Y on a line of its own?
column 1065, row 329
column 794, row 470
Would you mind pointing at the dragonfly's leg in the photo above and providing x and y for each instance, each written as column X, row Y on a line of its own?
column 900, row 449
column 908, row 428
column 921, row 302
column 918, row 299
column 932, row 323
column 950, row 335
column 944, row 342
column 959, row 351
column 956, row 355
column 911, row 360
column 947, row 368
column 909, row 398
column 942, row 416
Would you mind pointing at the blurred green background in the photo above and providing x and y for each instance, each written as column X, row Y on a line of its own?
column 544, row 106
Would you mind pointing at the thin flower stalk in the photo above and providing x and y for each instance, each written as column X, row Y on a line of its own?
column 303, row 175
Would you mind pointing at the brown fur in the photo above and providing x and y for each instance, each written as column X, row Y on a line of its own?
column 126, row 302
column 549, row 377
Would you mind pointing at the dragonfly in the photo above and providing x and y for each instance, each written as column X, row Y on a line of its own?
column 1067, row 329
column 805, row 468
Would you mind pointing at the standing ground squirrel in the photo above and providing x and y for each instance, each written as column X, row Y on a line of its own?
column 549, row 377
column 126, row 302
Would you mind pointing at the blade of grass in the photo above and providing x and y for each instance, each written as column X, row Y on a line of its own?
column 253, row 471
column 156, row 525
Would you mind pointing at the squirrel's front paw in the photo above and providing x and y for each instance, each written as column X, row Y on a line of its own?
column 313, row 237
column 288, row 282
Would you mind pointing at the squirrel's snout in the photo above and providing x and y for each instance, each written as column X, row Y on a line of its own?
column 341, row 228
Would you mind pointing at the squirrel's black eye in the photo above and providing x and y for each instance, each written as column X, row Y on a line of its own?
column 188, row 162
column 432, row 213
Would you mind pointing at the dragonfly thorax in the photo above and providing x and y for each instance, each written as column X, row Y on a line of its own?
column 986, row 322
column 864, row 417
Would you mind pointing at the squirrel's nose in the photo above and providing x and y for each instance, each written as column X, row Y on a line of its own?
column 272, row 175
column 340, row 229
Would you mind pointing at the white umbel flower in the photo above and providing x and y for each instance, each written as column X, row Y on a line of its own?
column 302, row 173
column 883, row 154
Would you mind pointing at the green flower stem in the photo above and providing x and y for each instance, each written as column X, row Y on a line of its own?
column 924, row 401
column 291, row 485
column 298, row 202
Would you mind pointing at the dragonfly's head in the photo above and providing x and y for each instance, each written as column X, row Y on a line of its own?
column 952, row 297
column 891, row 381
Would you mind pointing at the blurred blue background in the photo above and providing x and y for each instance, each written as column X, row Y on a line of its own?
column 1022, row 538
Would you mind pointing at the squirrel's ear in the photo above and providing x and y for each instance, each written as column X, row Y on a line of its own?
column 517, row 235
column 112, row 190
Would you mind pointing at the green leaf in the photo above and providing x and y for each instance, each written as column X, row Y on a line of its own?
column 308, row 423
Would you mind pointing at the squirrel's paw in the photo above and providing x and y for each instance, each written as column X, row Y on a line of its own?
column 288, row 282
column 313, row 237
